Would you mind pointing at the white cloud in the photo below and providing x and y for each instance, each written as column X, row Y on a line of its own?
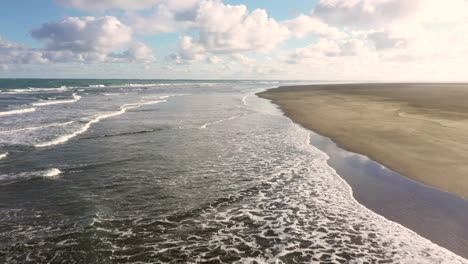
column 162, row 21
column 84, row 34
column 107, row 4
column 90, row 5
column 242, row 59
column 190, row 49
column 213, row 60
column 138, row 53
column 329, row 48
column 11, row 53
column 365, row 13
column 374, row 14
column 304, row 25
column 168, row 16
column 387, row 40
column 228, row 29
column 90, row 39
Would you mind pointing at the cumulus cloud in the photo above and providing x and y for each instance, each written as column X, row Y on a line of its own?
column 90, row 39
column 229, row 29
column 162, row 21
column 387, row 40
column 137, row 53
column 382, row 13
column 242, row 59
column 90, row 5
column 365, row 13
column 11, row 53
column 213, row 60
column 304, row 25
column 190, row 49
column 166, row 16
column 84, row 34
column 329, row 48
column 106, row 4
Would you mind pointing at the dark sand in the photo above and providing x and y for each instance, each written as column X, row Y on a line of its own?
column 417, row 130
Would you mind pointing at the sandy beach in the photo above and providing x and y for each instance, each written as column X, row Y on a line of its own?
column 417, row 130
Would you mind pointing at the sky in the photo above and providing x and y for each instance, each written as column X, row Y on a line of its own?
column 368, row 40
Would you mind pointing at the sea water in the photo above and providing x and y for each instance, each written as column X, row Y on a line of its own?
column 156, row 171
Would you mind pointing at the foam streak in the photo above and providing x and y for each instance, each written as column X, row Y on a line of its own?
column 17, row 112
column 76, row 98
column 216, row 122
column 123, row 109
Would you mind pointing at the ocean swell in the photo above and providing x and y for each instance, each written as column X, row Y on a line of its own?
column 17, row 112
column 75, row 99
column 124, row 108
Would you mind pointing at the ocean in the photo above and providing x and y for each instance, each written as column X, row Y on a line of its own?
column 160, row 171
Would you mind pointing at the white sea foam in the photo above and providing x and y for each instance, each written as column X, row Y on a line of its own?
column 4, row 155
column 84, row 128
column 52, row 173
column 75, row 99
column 65, row 138
column 268, row 82
column 304, row 200
column 49, row 173
column 142, row 85
column 244, row 99
column 96, row 85
column 36, row 127
column 218, row 121
column 33, row 90
column 17, row 112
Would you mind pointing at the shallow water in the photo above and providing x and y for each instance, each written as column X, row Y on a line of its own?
column 440, row 216
column 178, row 172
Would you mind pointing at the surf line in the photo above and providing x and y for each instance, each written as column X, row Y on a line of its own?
column 218, row 121
column 76, row 98
column 244, row 99
column 123, row 109
column 37, row 127
column 16, row 112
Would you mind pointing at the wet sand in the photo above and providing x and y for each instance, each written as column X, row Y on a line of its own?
column 417, row 130
column 437, row 215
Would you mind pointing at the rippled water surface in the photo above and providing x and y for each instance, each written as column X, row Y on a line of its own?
column 176, row 172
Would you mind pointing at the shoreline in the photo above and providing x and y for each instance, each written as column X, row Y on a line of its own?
column 416, row 130
column 436, row 214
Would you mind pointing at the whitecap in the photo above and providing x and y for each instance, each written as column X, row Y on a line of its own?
column 49, row 173
column 218, row 121
column 33, row 89
column 37, row 127
column 244, row 99
column 75, row 99
column 17, row 112
column 52, row 173
column 123, row 109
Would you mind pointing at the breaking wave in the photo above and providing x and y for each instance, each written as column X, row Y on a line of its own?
column 75, row 99
column 17, row 112
column 124, row 108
